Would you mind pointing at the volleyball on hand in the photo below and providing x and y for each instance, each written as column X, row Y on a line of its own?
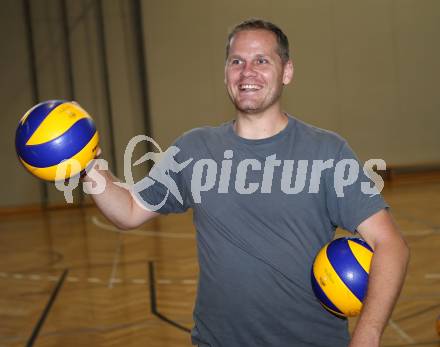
column 55, row 133
column 340, row 275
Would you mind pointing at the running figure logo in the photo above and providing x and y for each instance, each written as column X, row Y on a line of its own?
column 164, row 164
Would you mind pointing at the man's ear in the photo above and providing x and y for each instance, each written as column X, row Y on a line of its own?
column 288, row 72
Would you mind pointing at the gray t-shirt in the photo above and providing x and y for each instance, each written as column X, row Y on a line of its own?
column 258, row 232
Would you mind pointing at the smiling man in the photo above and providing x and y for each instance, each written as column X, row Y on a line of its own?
column 257, row 67
column 255, row 72
column 256, row 235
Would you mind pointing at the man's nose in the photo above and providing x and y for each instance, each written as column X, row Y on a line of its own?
column 248, row 70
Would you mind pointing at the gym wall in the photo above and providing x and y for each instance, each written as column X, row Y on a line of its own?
column 365, row 69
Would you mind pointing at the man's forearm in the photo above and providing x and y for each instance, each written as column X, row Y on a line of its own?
column 115, row 202
column 387, row 273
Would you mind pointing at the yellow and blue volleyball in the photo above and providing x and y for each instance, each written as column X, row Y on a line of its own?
column 55, row 132
column 340, row 275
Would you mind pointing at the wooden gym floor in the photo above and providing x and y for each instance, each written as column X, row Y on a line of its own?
column 106, row 296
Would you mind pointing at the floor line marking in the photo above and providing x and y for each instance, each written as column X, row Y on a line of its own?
column 177, row 281
column 94, row 280
column 115, row 262
column 139, row 281
column 35, row 277
column 164, row 281
column 189, row 281
column 418, row 232
column 432, row 276
column 47, row 308
column 401, row 332
column 117, row 280
column 153, row 300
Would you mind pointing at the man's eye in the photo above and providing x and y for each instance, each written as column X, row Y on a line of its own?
column 262, row 61
column 235, row 61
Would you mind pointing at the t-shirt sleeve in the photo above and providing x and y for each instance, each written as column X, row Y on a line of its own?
column 165, row 189
column 348, row 204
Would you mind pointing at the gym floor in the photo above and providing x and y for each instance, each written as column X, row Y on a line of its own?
column 68, row 277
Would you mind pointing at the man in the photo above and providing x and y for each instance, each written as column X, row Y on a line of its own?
column 257, row 233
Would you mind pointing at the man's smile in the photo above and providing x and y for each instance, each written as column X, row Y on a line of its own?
column 248, row 87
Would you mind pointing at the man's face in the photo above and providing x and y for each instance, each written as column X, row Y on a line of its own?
column 254, row 72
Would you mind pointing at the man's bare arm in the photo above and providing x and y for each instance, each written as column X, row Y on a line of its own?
column 118, row 205
column 387, row 273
